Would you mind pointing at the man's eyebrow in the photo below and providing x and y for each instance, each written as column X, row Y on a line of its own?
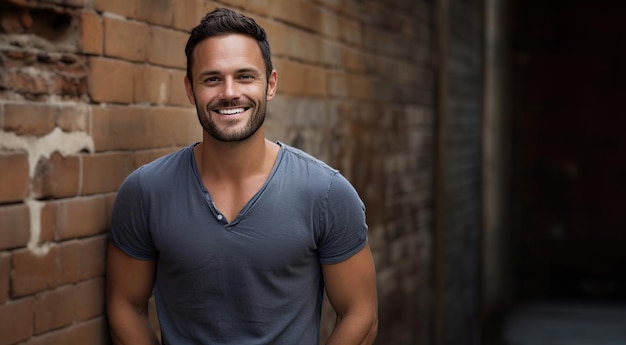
column 239, row 71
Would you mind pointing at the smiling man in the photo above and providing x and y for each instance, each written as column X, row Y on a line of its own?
column 238, row 237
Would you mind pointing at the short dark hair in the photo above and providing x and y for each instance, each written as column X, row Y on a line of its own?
column 223, row 21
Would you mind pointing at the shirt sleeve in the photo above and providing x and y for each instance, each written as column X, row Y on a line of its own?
column 130, row 229
column 344, row 227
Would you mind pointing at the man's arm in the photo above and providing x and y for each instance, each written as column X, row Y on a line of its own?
column 351, row 289
column 129, row 286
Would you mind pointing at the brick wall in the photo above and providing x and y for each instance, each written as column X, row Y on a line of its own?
column 92, row 89
column 459, row 153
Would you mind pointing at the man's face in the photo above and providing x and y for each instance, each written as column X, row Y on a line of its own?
column 229, row 87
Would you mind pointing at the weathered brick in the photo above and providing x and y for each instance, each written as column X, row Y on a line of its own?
column 147, row 156
column 82, row 260
column 91, row 33
column 57, row 176
column 187, row 14
column 142, row 128
column 126, row 8
column 152, row 85
column 297, row 12
column 291, row 74
column 73, row 118
column 167, row 47
column 111, row 80
column 104, row 172
column 80, row 217
column 14, row 176
column 54, row 309
column 89, row 299
column 47, row 222
column 125, row 39
column 352, row 86
column 26, row 80
column 29, row 118
column 16, row 321
column 92, row 332
column 14, row 226
column 159, row 12
column 178, row 95
column 34, row 273
column 5, row 276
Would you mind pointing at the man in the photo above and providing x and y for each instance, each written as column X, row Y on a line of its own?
column 238, row 236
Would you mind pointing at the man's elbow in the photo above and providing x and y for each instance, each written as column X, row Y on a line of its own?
column 373, row 331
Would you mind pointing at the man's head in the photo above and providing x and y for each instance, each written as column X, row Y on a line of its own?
column 222, row 21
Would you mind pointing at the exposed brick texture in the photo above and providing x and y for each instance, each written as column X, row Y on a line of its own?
column 13, row 176
column 357, row 88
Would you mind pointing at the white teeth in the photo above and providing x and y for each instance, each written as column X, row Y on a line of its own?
column 231, row 111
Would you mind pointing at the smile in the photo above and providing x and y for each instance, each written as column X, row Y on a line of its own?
column 232, row 111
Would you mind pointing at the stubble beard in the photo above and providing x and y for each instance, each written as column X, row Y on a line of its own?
column 254, row 122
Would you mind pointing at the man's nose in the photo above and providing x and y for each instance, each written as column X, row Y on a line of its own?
column 229, row 89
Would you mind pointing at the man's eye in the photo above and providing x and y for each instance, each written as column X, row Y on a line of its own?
column 211, row 80
column 245, row 76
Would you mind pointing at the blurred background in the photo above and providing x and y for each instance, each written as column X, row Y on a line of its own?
column 482, row 135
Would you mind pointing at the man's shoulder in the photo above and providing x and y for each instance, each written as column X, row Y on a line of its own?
column 164, row 168
column 307, row 159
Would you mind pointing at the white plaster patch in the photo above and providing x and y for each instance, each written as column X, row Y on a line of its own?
column 37, row 147
column 42, row 147
column 162, row 93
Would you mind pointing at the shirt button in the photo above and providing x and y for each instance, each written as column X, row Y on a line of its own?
column 220, row 217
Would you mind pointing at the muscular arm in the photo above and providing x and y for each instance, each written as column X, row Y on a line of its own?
column 351, row 289
column 129, row 286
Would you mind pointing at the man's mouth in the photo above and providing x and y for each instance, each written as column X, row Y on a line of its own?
column 231, row 111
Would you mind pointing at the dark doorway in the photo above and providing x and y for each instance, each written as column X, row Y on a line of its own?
column 569, row 157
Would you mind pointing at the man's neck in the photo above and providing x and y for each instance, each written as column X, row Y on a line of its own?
column 235, row 161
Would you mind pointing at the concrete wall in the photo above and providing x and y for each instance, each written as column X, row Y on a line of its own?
column 92, row 89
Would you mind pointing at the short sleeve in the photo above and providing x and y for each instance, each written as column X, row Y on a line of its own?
column 344, row 228
column 130, row 230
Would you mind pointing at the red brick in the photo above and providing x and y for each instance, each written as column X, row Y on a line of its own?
column 80, row 217
column 187, row 14
column 298, row 12
column 144, row 128
column 14, row 172
column 82, row 260
column 57, row 176
column 5, row 276
column 126, row 8
column 54, row 309
column 105, row 172
column 14, row 226
column 292, row 74
column 92, row 332
column 73, row 118
column 26, row 81
column 160, row 12
column 29, row 119
column 47, row 222
column 90, row 33
column 126, row 39
column 89, row 299
column 167, row 47
column 16, row 321
column 34, row 273
column 147, row 156
column 111, row 80
column 152, row 85
column 178, row 95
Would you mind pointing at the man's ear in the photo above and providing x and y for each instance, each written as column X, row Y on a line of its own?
column 272, row 83
column 189, row 90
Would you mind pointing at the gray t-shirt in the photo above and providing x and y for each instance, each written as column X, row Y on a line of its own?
column 255, row 280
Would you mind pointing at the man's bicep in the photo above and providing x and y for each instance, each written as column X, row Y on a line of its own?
column 351, row 284
column 129, row 280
